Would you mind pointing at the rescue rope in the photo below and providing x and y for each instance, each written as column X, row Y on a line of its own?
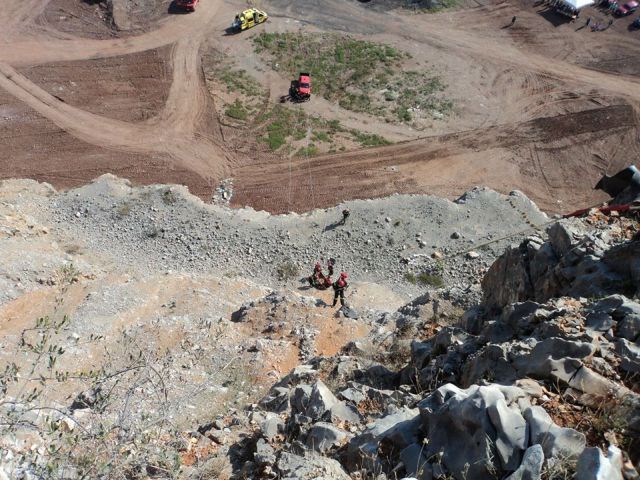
column 532, row 227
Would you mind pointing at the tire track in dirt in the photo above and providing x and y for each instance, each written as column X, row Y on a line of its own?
column 183, row 128
column 162, row 137
column 46, row 50
column 187, row 98
column 15, row 14
column 174, row 131
column 361, row 174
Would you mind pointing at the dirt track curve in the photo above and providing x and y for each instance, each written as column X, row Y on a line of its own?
column 541, row 107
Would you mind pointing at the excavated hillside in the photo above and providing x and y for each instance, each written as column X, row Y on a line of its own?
column 146, row 334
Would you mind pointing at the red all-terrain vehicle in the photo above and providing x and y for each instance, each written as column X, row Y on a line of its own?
column 300, row 90
column 189, row 5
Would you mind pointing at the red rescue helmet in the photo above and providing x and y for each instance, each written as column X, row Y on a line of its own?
column 344, row 275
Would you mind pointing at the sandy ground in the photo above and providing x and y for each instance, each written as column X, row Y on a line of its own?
column 544, row 106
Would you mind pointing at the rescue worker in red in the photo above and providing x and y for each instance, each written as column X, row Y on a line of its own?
column 318, row 279
column 338, row 289
column 317, row 274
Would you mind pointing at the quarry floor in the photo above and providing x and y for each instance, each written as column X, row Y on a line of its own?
column 543, row 106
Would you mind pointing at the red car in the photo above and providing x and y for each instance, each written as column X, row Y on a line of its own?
column 189, row 5
column 300, row 89
column 627, row 9
column 304, row 84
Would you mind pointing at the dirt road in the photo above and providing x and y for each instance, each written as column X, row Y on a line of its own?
column 542, row 106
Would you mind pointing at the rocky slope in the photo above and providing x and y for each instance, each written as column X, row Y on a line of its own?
column 532, row 383
column 177, row 340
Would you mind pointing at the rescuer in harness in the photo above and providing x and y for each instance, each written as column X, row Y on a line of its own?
column 339, row 287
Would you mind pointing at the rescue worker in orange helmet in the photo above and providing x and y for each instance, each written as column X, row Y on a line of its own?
column 339, row 287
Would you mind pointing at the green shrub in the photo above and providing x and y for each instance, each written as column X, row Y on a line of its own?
column 236, row 110
column 410, row 277
column 309, row 151
column 429, row 279
column 351, row 72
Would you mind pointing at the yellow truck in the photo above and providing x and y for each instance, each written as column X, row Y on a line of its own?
column 247, row 19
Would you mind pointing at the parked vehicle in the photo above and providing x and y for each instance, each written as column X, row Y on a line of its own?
column 188, row 5
column 627, row 9
column 248, row 18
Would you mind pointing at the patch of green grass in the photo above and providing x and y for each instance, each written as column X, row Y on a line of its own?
column 443, row 5
column 309, row 151
column 403, row 114
column 431, row 6
column 276, row 136
column 369, row 139
column 356, row 102
column 334, row 126
column 360, row 76
column 415, row 91
column 284, row 125
column 237, row 110
column 240, row 81
column 410, row 277
column 320, row 136
column 334, row 61
column 283, row 122
column 429, row 279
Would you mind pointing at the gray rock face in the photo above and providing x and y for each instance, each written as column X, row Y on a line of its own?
column 629, row 355
column 492, row 422
column 594, row 465
column 629, row 325
column 400, row 428
column 537, row 362
column 271, row 427
column 573, row 262
column 619, row 312
column 413, row 459
column 511, row 433
column 320, row 401
column 324, row 436
column 265, row 454
column 482, row 422
column 508, row 280
column 531, row 466
column 277, row 400
column 309, row 467
column 555, row 441
column 301, row 398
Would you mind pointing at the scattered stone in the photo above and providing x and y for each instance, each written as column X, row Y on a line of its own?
column 531, row 466
column 593, row 465
column 265, row 454
column 556, row 441
column 309, row 467
column 325, row 436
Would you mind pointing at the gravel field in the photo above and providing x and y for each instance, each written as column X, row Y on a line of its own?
column 161, row 228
